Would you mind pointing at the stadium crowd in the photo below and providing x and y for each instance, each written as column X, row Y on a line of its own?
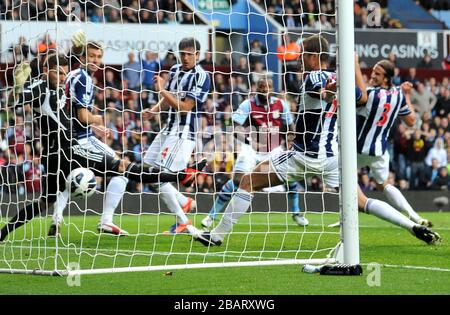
column 99, row 11
column 420, row 157
column 309, row 14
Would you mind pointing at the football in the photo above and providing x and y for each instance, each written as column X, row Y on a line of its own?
column 82, row 183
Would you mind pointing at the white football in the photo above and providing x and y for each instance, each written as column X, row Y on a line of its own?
column 82, row 183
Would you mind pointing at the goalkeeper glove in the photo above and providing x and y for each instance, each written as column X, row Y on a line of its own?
column 79, row 39
column 21, row 74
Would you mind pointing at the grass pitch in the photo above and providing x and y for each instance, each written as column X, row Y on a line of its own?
column 409, row 266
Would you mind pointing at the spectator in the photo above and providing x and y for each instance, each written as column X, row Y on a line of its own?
column 442, row 181
column 242, row 69
column 422, row 99
column 26, row 9
column 259, row 73
column 392, row 57
column 446, row 63
column 429, row 174
column 257, row 52
column 148, row 13
column 226, row 60
column 426, row 62
column 151, row 65
column 188, row 18
column 397, row 79
column 98, row 16
column 417, row 151
column 442, row 107
column 289, row 20
column 45, row 44
column 238, row 93
column 21, row 48
column 170, row 58
column 129, row 15
column 208, row 61
column 288, row 53
column 131, row 73
column 412, row 76
column 400, row 146
column 437, row 153
column 322, row 23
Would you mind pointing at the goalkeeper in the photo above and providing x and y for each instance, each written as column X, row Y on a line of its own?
column 61, row 151
column 261, row 119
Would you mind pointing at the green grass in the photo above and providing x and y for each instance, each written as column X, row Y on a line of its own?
column 380, row 242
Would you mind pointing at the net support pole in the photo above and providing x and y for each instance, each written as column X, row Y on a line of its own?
column 347, row 114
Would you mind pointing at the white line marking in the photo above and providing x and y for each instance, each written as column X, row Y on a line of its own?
column 414, row 267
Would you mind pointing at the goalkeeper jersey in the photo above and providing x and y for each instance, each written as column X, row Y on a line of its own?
column 50, row 113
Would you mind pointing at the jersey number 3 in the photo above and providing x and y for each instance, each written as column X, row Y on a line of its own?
column 384, row 116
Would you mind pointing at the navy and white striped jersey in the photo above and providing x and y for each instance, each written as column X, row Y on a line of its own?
column 80, row 94
column 375, row 119
column 194, row 84
column 316, row 131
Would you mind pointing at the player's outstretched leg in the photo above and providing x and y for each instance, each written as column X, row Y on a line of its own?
column 293, row 199
column 154, row 175
column 25, row 214
column 150, row 175
column 239, row 203
column 222, row 199
column 114, row 193
column 399, row 202
column 386, row 212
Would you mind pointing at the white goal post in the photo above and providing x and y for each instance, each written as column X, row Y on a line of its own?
column 266, row 235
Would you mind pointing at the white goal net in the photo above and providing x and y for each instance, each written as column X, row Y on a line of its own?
column 245, row 47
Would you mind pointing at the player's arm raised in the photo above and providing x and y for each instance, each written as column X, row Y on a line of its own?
column 409, row 119
column 79, row 41
column 19, row 94
column 361, row 92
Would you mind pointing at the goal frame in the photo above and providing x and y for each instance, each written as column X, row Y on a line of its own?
column 347, row 251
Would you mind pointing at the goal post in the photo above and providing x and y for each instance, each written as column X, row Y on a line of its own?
column 346, row 98
column 264, row 236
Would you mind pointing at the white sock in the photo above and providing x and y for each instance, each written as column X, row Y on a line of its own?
column 386, row 212
column 399, row 202
column 237, row 206
column 58, row 207
column 182, row 199
column 171, row 201
column 114, row 193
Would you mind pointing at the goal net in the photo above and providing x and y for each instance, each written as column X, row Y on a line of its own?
column 240, row 43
